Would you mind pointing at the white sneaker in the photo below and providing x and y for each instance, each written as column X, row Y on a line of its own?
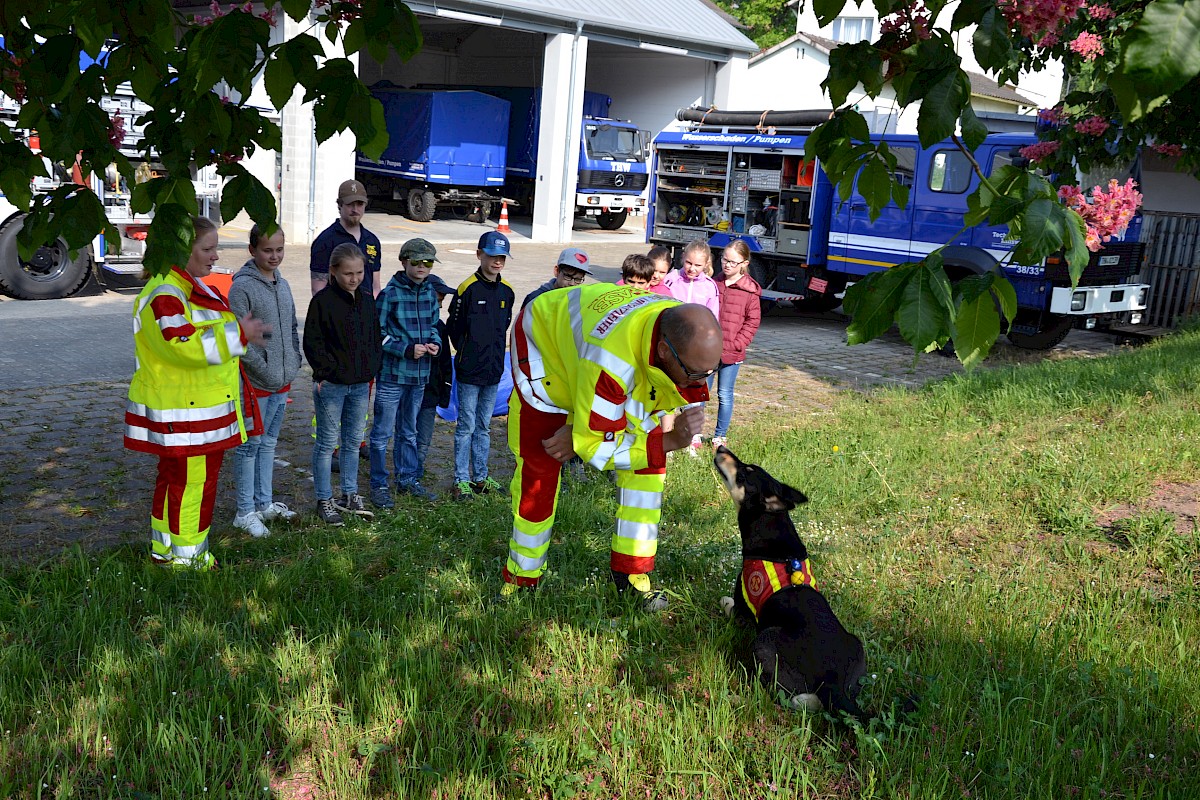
column 278, row 511
column 694, row 448
column 252, row 524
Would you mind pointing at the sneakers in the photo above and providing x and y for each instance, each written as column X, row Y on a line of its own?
column 694, row 448
column 327, row 512
column 463, row 490
column 486, row 485
column 251, row 523
column 381, row 497
column 278, row 511
column 653, row 600
column 718, row 441
column 418, row 491
column 353, row 504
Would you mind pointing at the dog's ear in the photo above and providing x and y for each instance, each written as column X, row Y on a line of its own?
column 784, row 498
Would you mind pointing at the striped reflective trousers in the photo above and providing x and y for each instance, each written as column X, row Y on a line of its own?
column 184, row 495
column 534, row 490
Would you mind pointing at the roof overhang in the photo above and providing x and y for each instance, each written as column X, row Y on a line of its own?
column 676, row 27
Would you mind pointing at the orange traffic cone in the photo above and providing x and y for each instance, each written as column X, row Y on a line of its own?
column 503, row 226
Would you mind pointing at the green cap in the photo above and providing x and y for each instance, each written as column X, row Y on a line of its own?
column 418, row 250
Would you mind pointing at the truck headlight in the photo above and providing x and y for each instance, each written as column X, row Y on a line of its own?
column 1141, row 298
column 1078, row 301
column 593, row 201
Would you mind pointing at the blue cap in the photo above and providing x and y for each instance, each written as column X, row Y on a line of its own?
column 495, row 243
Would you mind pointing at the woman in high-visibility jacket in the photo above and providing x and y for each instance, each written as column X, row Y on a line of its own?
column 185, row 401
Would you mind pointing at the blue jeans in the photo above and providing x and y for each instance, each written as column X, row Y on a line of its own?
column 473, row 433
column 396, row 407
column 254, row 460
column 341, row 416
column 425, row 419
column 726, row 377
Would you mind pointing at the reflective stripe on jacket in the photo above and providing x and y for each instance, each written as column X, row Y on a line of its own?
column 586, row 352
column 184, row 399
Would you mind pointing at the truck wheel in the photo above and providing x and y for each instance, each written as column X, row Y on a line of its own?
column 51, row 273
column 612, row 220
column 1053, row 329
column 421, row 205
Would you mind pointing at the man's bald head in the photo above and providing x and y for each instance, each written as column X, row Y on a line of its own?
column 696, row 336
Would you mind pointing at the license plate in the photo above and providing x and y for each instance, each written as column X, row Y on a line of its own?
column 1108, row 261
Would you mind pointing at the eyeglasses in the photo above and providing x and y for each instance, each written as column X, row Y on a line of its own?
column 729, row 262
column 687, row 373
column 571, row 278
column 427, row 264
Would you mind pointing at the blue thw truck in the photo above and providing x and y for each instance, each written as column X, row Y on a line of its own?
column 727, row 178
column 445, row 148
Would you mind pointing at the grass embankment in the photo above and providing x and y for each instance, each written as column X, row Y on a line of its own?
column 954, row 529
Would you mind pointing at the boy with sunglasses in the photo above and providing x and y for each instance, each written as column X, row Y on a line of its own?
column 572, row 269
column 408, row 314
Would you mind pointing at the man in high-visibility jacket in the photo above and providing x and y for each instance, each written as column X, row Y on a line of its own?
column 595, row 368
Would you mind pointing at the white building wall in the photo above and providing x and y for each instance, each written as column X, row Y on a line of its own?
column 648, row 88
column 563, row 77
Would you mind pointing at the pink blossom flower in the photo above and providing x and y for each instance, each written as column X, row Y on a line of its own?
column 1092, row 126
column 1051, row 116
column 1106, row 213
column 116, row 130
column 1040, row 20
column 1168, row 150
column 1039, row 151
column 1100, row 12
column 1088, row 46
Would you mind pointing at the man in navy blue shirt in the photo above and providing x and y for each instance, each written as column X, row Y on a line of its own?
column 352, row 204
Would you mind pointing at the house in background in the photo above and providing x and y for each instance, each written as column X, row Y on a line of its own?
column 789, row 75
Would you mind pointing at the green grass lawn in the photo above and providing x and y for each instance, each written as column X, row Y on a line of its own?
column 953, row 529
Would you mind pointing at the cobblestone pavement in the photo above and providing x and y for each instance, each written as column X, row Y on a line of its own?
column 66, row 479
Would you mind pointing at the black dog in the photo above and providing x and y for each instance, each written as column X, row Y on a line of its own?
column 801, row 646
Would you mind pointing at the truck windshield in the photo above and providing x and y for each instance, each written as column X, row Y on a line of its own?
column 611, row 143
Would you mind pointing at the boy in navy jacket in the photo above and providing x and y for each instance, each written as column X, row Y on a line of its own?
column 480, row 314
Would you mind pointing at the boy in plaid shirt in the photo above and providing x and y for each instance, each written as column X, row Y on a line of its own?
column 408, row 315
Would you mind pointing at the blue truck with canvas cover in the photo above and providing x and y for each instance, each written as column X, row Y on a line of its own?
column 445, row 147
column 611, row 174
column 736, row 175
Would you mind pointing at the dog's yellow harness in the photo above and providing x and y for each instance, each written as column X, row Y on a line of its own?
column 761, row 579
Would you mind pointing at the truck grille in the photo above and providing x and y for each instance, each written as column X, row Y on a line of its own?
column 629, row 181
column 1129, row 263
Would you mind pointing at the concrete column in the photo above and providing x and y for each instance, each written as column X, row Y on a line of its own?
column 311, row 173
column 731, row 83
column 565, row 66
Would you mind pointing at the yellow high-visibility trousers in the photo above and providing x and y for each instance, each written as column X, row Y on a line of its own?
column 185, row 493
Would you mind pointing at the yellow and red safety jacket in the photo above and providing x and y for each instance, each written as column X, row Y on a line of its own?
column 761, row 579
column 587, row 352
column 184, row 399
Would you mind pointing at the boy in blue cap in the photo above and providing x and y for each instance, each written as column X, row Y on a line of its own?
column 480, row 314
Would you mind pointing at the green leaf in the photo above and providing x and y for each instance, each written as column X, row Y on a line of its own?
column 922, row 317
column 827, row 10
column 1006, row 296
column 355, row 37
column 872, row 302
column 976, row 327
column 280, row 81
column 900, row 194
column 1161, row 53
column 970, row 12
column 227, row 50
column 169, row 240
column 296, row 9
column 875, row 185
column 941, row 103
column 973, row 131
column 939, row 283
column 1076, row 249
column 993, row 48
column 245, row 191
column 851, row 65
column 1041, row 230
column 17, row 166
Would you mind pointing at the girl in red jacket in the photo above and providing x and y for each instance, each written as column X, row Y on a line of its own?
column 740, row 314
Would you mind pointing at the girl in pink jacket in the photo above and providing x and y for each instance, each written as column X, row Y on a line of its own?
column 693, row 283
